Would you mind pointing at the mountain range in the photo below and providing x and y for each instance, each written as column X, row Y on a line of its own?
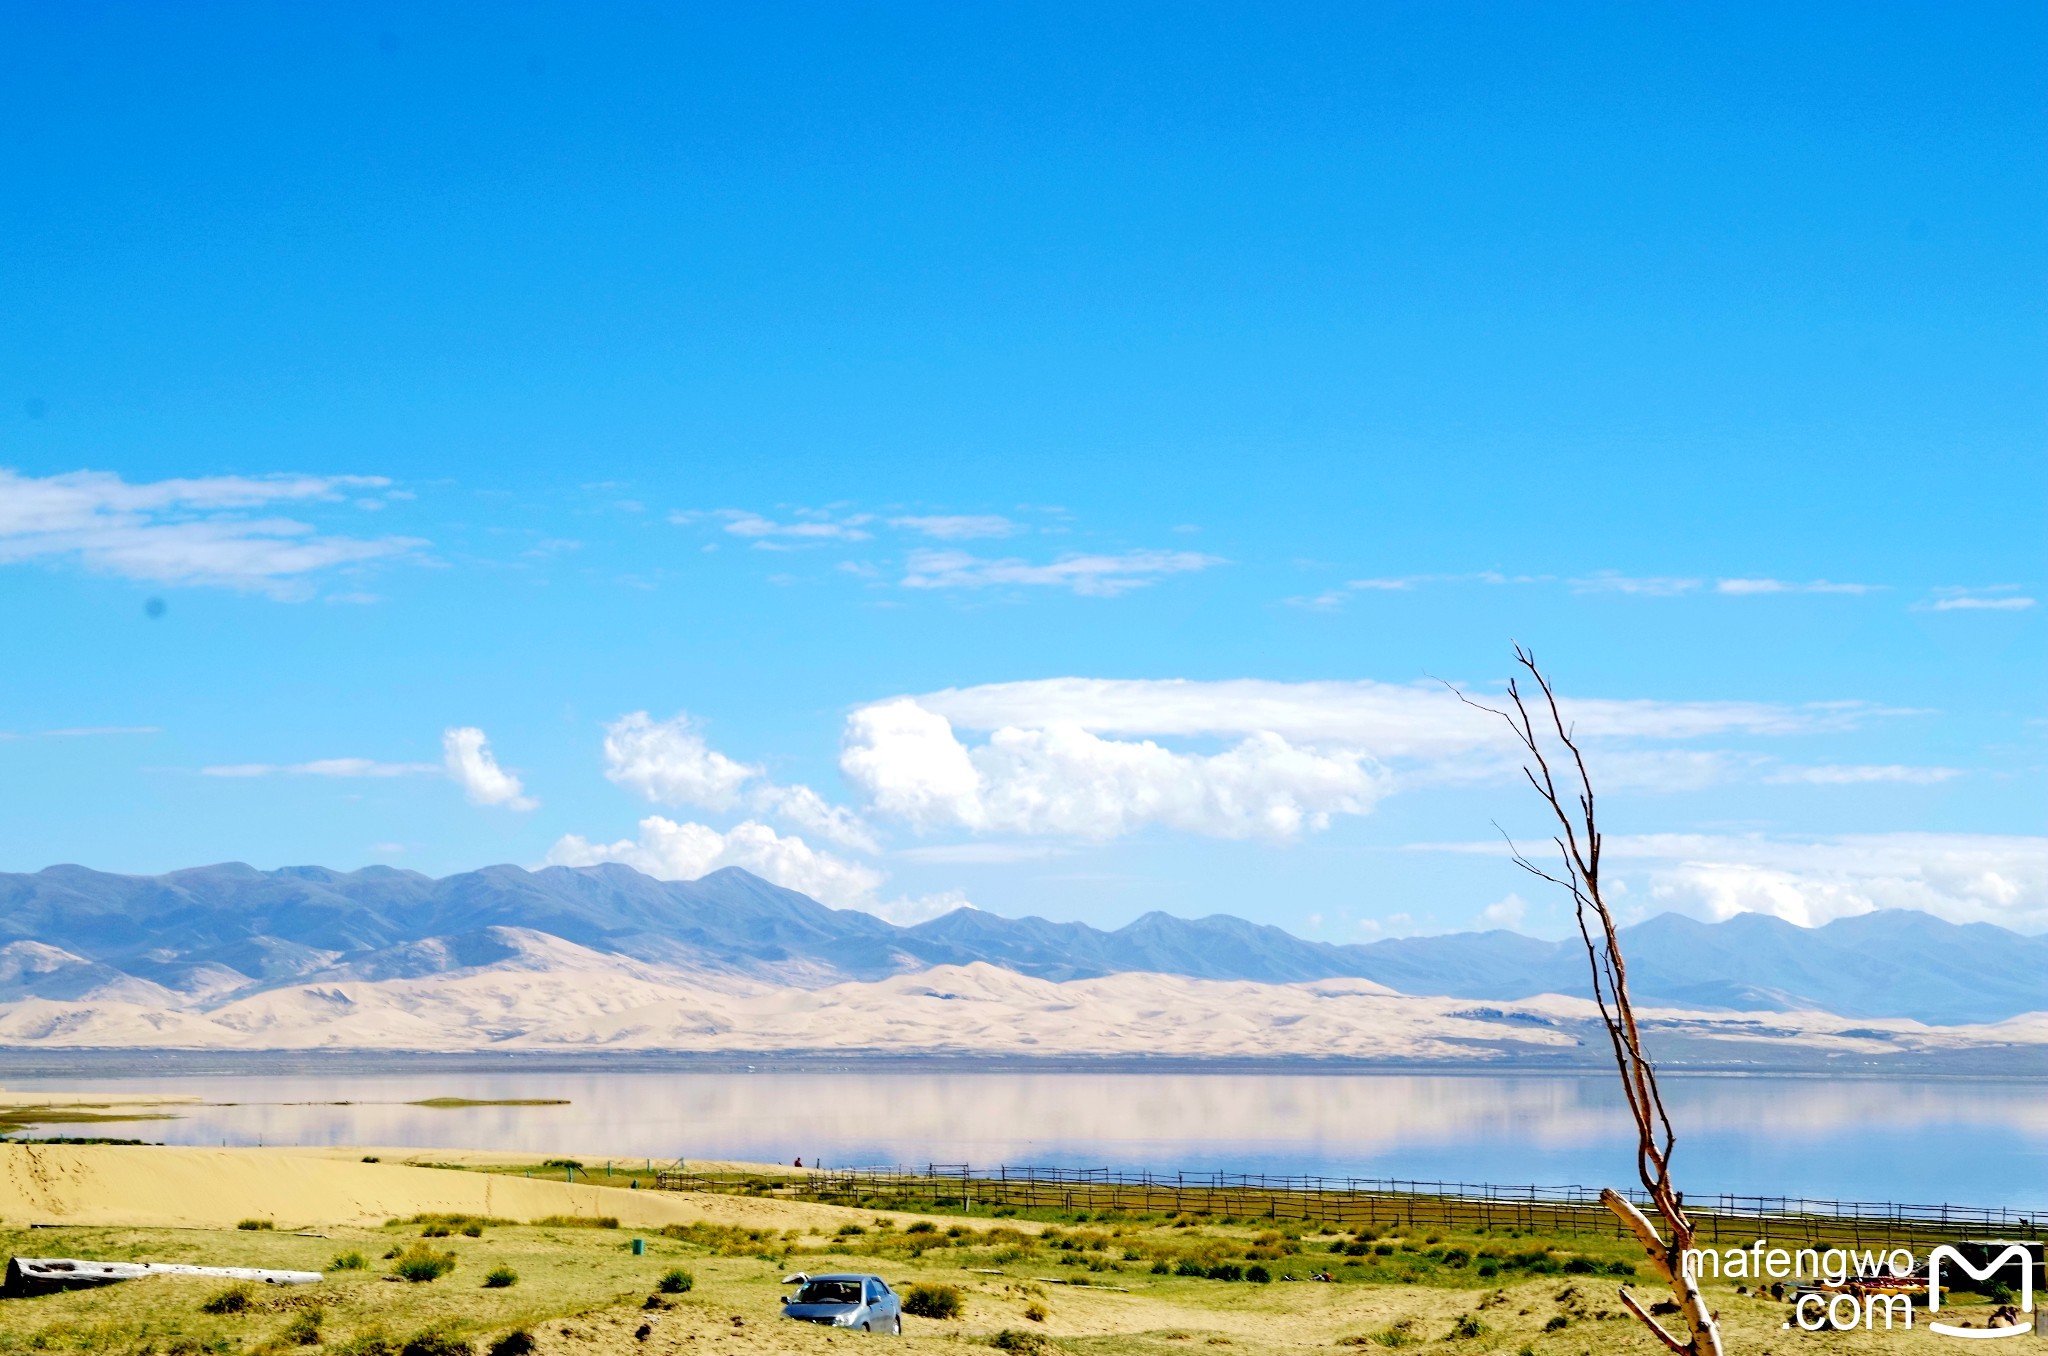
column 214, row 935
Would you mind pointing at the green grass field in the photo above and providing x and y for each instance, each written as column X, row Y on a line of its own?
column 1092, row 1287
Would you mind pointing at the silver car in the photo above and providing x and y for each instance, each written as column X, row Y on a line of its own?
column 845, row 1300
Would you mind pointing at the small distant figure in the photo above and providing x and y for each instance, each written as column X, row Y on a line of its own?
column 799, row 1162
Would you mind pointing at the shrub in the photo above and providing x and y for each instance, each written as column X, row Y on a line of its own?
column 1468, row 1325
column 255, row 1224
column 1035, row 1311
column 499, row 1277
column 850, row 1230
column 579, row 1222
column 518, row 1342
column 436, row 1342
column 1190, row 1267
column 472, row 1230
column 1020, row 1343
column 1383, row 1250
column 1580, row 1266
column 348, row 1261
column 563, row 1163
column 372, row 1158
column 923, row 1226
column 675, row 1281
column 1160, row 1268
column 233, row 1300
column 932, row 1301
column 421, row 1263
column 434, row 1231
column 1402, row 1334
column 1619, row 1269
column 368, row 1344
column 1257, row 1273
column 1557, row 1323
column 1226, row 1271
column 304, row 1330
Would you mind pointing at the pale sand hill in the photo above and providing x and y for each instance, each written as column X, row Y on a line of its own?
column 572, row 998
column 158, row 1187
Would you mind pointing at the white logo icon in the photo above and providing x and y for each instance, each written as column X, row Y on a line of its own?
column 2014, row 1253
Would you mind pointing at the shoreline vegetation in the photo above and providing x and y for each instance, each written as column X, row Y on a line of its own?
column 557, row 1263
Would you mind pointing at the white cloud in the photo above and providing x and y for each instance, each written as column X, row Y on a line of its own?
column 1854, row 774
column 2006, row 604
column 1101, row 576
column 1062, row 780
column 1741, row 587
column 467, row 755
column 1648, row 586
column 1670, row 586
column 1505, row 912
column 908, row 912
column 810, row 527
column 323, row 767
column 672, row 851
column 1965, row 878
column 184, row 532
column 669, row 763
column 1079, row 757
column 959, row 527
column 978, row 854
column 807, row 809
column 1390, row 720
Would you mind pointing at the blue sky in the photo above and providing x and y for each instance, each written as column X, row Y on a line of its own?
column 1044, row 454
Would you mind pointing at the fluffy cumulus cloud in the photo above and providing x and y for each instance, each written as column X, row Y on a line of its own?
column 1063, row 780
column 203, row 531
column 1098, row 758
column 672, row 851
column 1965, row 878
column 670, row 763
column 466, row 753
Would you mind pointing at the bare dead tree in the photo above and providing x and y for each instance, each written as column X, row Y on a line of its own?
column 1551, row 747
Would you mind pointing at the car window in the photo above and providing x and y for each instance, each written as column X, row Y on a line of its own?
column 829, row 1292
column 876, row 1290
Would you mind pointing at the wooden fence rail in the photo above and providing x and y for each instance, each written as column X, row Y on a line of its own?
column 1378, row 1203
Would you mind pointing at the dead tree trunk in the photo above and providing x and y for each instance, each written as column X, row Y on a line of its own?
column 1547, row 740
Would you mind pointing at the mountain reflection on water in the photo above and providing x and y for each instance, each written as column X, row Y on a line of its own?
column 1964, row 1142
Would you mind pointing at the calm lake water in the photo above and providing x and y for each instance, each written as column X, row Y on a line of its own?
column 1976, row 1143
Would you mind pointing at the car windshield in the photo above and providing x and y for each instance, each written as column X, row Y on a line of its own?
column 829, row 1292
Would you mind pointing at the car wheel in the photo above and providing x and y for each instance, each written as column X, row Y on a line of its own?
column 867, row 1327
column 897, row 1329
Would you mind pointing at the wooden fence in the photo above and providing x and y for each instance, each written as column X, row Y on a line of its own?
column 1378, row 1203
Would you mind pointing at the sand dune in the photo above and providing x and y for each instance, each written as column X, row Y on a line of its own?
column 573, row 998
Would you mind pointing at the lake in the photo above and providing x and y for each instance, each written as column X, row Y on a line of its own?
column 1963, row 1142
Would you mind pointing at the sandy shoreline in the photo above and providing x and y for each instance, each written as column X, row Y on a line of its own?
column 168, row 1187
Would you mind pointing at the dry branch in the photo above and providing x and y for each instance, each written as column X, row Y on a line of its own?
column 1547, row 740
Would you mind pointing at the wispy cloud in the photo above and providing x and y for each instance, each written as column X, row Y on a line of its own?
column 1101, row 576
column 811, row 527
column 1984, row 598
column 1858, row 774
column 323, row 767
column 959, row 527
column 193, row 532
column 1671, row 586
column 1751, row 586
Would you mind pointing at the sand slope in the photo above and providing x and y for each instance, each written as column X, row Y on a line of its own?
column 215, row 1188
